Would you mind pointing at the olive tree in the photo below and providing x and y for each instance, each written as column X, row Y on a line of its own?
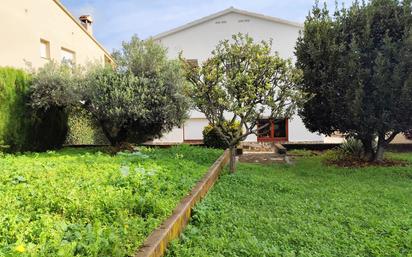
column 242, row 81
column 53, row 91
column 141, row 98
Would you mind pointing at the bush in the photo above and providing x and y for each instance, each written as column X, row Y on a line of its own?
column 83, row 129
column 213, row 139
column 14, row 124
column 48, row 129
column 53, row 91
column 352, row 148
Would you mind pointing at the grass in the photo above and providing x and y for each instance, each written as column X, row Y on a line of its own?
column 86, row 203
column 306, row 209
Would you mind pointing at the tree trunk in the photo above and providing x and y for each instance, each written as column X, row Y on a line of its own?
column 232, row 163
column 115, row 140
column 381, row 149
column 368, row 149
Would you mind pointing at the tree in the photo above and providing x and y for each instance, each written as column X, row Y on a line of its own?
column 242, row 82
column 53, row 91
column 357, row 72
column 142, row 98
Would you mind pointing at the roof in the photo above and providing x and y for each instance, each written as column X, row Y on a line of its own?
column 222, row 13
column 83, row 28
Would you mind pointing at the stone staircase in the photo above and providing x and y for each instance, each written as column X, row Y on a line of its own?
column 258, row 147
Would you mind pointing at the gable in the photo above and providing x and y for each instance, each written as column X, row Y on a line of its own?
column 196, row 40
column 244, row 17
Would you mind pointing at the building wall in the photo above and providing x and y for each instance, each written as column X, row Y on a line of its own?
column 401, row 139
column 23, row 23
column 198, row 42
column 299, row 133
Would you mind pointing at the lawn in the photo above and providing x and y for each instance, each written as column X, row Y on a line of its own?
column 306, row 209
column 87, row 203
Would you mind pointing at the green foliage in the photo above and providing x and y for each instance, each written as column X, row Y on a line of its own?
column 214, row 139
column 83, row 129
column 55, row 85
column 241, row 82
column 306, row 209
column 352, row 148
column 48, row 129
column 142, row 99
column 87, row 203
column 14, row 124
column 54, row 89
column 357, row 70
column 301, row 152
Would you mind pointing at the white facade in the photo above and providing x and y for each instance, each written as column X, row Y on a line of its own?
column 197, row 39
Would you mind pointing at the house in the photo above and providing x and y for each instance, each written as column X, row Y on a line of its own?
column 35, row 32
column 197, row 39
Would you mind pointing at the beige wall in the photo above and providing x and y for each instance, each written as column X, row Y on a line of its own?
column 23, row 23
column 401, row 139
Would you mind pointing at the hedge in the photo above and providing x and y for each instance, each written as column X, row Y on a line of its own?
column 14, row 124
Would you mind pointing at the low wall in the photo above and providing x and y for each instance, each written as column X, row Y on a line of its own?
column 156, row 244
column 307, row 146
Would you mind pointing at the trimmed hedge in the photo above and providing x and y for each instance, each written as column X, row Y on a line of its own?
column 14, row 121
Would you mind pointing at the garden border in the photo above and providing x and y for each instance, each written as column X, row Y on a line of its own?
column 155, row 245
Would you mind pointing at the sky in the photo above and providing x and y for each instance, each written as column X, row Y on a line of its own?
column 116, row 21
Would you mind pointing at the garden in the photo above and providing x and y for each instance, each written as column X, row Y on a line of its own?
column 352, row 76
column 305, row 209
column 86, row 202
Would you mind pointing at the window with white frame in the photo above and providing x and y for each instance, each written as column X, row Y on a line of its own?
column 44, row 49
column 68, row 56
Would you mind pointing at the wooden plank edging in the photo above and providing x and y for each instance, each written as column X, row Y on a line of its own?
column 156, row 244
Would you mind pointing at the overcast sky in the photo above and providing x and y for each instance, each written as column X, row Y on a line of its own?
column 118, row 20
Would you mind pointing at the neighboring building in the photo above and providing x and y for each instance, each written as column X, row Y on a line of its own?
column 197, row 39
column 33, row 32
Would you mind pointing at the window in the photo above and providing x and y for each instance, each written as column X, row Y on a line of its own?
column 265, row 129
column 68, row 56
column 273, row 130
column 193, row 62
column 279, row 127
column 44, row 49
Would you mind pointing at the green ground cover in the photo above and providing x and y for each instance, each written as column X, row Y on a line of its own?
column 306, row 209
column 87, row 203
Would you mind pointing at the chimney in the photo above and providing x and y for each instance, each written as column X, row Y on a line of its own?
column 87, row 21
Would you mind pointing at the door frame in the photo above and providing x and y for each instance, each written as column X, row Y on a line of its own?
column 272, row 137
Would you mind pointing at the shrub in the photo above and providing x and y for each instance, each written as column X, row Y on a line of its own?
column 14, row 124
column 53, row 91
column 352, row 148
column 48, row 129
column 83, row 129
column 214, row 139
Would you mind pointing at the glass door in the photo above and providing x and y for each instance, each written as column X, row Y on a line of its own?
column 273, row 130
